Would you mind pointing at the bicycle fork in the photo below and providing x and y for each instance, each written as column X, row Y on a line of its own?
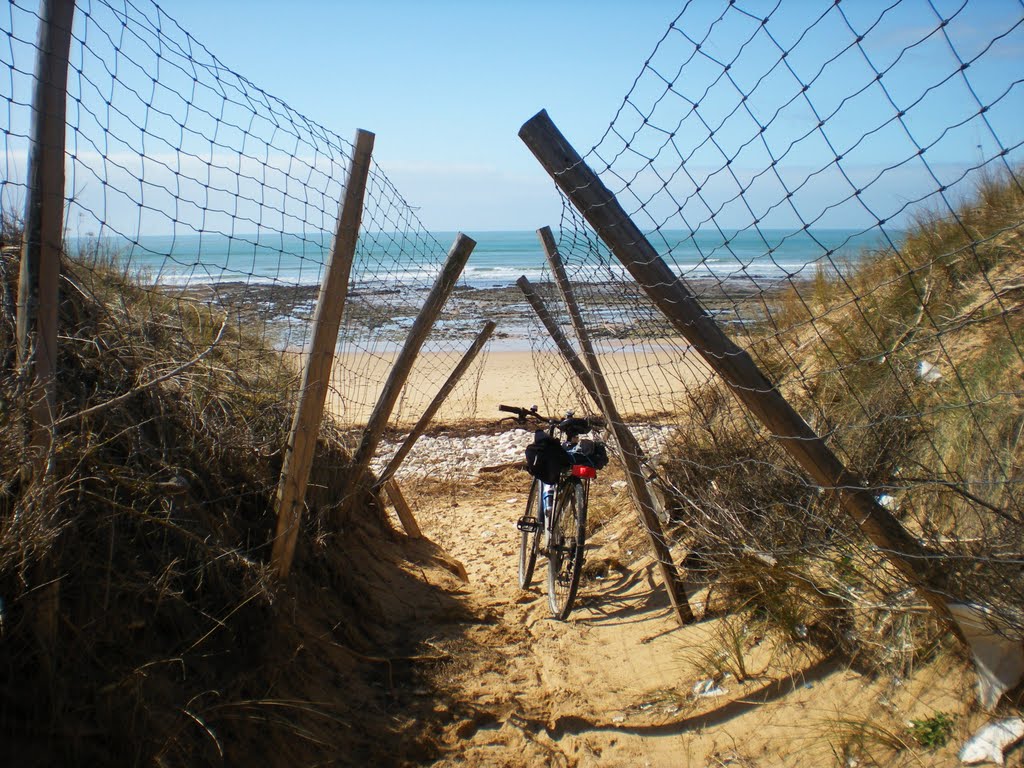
column 547, row 509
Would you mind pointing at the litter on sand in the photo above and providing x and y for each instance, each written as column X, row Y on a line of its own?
column 991, row 741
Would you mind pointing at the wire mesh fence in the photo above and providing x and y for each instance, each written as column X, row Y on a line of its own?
column 839, row 186
column 197, row 212
column 218, row 203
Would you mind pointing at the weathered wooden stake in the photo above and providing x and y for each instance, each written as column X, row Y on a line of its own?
column 435, row 404
column 38, row 285
column 675, row 300
column 562, row 343
column 39, row 279
column 439, row 293
column 631, row 451
column 316, row 376
column 405, row 515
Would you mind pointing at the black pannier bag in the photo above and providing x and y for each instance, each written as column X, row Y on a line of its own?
column 545, row 458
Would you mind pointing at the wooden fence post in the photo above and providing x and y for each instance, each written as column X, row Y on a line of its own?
column 628, row 445
column 316, row 375
column 568, row 353
column 405, row 515
column 675, row 300
column 439, row 293
column 39, row 282
column 435, row 404
column 562, row 343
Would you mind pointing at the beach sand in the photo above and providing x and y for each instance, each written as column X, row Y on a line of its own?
column 645, row 380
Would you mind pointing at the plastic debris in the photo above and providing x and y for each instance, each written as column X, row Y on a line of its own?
column 928, row 372
column 998, row 660
column 989, row 743
column 708, row 688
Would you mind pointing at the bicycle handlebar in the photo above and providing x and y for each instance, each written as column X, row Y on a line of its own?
column 523, row 413
column 566, row 424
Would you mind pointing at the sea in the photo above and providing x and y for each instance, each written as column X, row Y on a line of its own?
column 497, row 261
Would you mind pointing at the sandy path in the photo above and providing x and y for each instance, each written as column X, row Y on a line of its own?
column 595, row 690
column 613, row 686
column 553, row 693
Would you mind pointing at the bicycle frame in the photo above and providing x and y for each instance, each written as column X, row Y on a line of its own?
column 556, row 513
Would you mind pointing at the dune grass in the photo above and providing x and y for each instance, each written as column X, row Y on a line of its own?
column 152, row 530
column 909, row 363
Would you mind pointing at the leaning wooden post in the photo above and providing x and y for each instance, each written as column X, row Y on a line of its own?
column 562, row 343
column 439, row 293
column 675, row 300
column 404, row 511
column 316, row 376
column 631, row 452
column 435, row 404
column 38, row 285
column 39, row 281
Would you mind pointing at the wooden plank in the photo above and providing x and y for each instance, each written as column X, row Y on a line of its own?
column 437, row 402
column 568, row 353
column 432, row 551
column 435, row 301
column 631, row 452
column 675, row 300
column 316, row 376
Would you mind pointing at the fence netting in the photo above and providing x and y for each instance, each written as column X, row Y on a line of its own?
column 840, row 186
column 215, row 203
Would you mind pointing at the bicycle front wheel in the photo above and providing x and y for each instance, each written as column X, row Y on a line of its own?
column 565, row 550
column 530, row 540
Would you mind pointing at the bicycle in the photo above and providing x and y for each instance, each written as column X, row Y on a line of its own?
column 556, row 508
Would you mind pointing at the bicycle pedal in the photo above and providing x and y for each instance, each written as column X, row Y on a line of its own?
column 528, row 524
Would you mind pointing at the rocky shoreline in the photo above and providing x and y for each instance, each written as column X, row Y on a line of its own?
column 619, row 311
column 445, row 455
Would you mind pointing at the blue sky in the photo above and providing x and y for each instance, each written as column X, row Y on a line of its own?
column 444, row 85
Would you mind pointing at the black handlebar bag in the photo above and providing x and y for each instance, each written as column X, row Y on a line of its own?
column 590, row 453
column 545, row 458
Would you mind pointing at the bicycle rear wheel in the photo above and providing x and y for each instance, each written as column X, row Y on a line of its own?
column 565, row 551
column 530, row 540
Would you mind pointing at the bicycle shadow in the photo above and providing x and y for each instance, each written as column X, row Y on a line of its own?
column 630, row 597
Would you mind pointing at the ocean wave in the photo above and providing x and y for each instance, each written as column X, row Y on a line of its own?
column 498, row 261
